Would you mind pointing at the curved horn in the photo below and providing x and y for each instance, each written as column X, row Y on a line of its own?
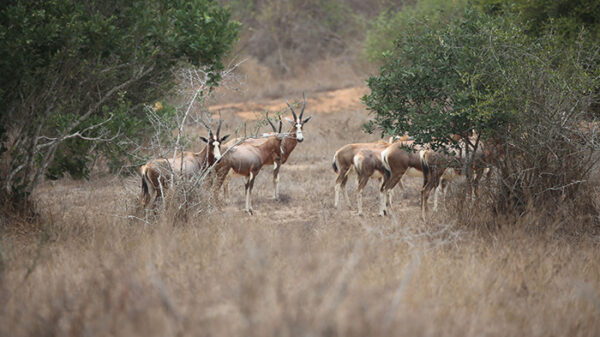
column 206, row 126
column 220, row 122
column 272, row 126
column 293, row 112
column 280, row 124
column 303, row 106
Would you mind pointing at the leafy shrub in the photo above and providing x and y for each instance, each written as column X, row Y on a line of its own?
column 565, row 17
column 530, row 97
column 76, row 77
column 438, row 82
column 390, row 24
column 551, row 148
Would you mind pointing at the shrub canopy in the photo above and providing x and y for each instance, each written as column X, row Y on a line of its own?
column 75, row 74
column 532, row 96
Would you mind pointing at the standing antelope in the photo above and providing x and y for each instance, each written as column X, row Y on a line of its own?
column 447, row 176
column 247, row 159
column 365, row 160
column 398, row 161
column 435, row 166
column 293, row 137
column 157, row 173
column 440, row 168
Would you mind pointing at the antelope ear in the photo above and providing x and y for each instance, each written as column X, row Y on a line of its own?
column 204, row 139
column 289, row 120
column 307, row 119
column 224, row 138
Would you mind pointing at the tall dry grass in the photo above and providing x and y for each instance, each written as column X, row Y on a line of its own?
column 96, row 266
column 93, row 264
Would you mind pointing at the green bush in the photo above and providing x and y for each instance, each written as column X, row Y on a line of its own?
column 484, row 73
column 75, row 74
column 440, row 81
column 390, row 25
column 565, row 17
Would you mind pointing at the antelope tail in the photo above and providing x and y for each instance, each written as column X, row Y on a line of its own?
column 334, row 165
column 144, row 172
column 384, row 159
column 387, row 171
column 424, row 156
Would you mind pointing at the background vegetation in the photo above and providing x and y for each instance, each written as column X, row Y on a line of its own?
column 85, row 80
column 530, row 95
column 94, row 266
column 76, row 78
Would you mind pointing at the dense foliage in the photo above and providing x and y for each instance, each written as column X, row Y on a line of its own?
column 532, row 95
column 437, row 81
column 76, row 76
column 566, row 17
column 391, row 24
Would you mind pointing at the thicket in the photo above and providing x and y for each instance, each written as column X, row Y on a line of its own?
column 565, row 17
column 77, row 78
column 391, row 24
column 530, row 98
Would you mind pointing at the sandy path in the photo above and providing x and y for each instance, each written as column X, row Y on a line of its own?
column 320, row 103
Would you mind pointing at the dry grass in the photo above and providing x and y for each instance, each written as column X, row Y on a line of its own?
column 298, row 267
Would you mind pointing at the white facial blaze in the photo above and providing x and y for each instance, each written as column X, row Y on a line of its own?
column 299, row 130
column 216, row 150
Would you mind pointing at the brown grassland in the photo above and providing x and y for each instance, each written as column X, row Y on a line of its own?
column 92, row 265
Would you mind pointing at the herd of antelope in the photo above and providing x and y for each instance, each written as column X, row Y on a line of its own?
column 387, row 161
column 242, row 157
column 390, row 161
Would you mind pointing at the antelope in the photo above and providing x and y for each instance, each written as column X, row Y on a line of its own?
column 398, row 162
column 293, row 137
column 447, row 176
column 438, row 180
column 158, row 173
column 440, row 168
column 407, row 142
column 365, row 160
column 247, row 159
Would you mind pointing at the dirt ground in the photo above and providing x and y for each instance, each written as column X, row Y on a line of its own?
column 337, row 119
column 298, row 267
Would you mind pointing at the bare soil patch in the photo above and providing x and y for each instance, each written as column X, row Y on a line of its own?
column 322, row 102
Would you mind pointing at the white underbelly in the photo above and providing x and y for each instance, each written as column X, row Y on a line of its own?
column 375, row 175
column 413, row 173
column 233, row 174
column 450, row 174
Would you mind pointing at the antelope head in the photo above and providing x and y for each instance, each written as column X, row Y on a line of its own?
column 298, row 122
column 214, row 141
